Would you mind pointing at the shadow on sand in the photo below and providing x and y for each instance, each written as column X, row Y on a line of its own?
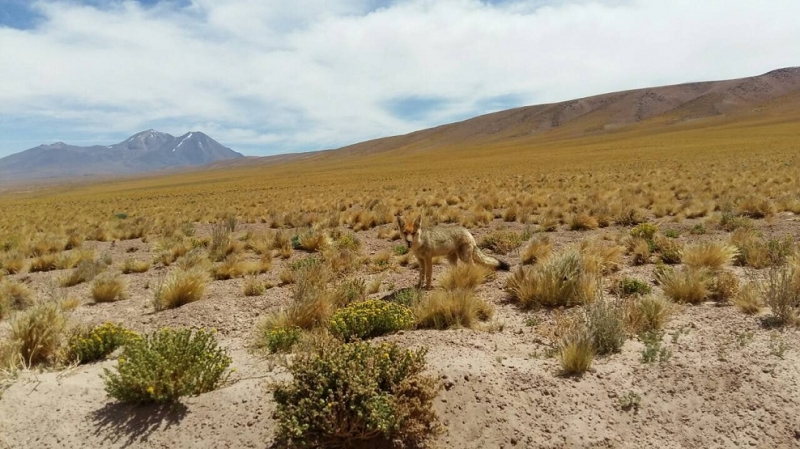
column 129, row 424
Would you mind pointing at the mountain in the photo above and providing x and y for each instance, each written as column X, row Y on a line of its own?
column 776, row 92
column 143, row 152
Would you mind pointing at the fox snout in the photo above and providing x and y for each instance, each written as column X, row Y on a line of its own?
column 408, row 243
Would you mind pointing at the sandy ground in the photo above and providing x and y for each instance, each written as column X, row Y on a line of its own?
column 727, row 384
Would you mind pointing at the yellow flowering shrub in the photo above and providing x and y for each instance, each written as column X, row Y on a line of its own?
column 358, row 392
column 371, row 318
column 281, row 339
column 92, row 344
column 166, row 365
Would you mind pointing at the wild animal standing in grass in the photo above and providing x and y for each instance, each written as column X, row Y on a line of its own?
column 455, row 242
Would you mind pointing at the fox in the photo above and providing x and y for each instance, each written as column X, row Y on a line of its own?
column 455, row 242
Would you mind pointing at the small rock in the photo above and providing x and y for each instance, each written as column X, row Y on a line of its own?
column 797, row 434
column 449, row 385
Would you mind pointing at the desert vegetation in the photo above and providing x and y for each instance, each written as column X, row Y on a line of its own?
column 622, row 262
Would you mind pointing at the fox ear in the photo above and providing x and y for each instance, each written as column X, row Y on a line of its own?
column 400, row 222
column 418, row 222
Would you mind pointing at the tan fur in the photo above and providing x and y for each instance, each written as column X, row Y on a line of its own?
column 455, row 242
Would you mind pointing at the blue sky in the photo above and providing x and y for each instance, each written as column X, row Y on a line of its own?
column 266, row 77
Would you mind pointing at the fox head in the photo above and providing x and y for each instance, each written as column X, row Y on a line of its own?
column 409, row 231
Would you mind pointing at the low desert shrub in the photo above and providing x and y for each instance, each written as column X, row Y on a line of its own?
column 167, row 364
column 88, row 345
column 605, row 324
column 108, row 287
column 369, row 319
column 374, row 395
column 453, row 308
column 277, row 339
column 180, row 288
column 628, row 286
column 781, row 292
column 752, row 251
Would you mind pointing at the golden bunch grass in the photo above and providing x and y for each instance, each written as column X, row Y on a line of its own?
column 646, row 313
column 108, row 287
column 85, row 271
column 537, row 251
column 131, row 265
column 452, row 309
column 465, row 276
column 37, row 333
column 749, row 299
column 45, row 262
column 709, row 254
column 685, row 285
column 180, row 288
column 562, row 280
column 576, row 353
column 14, row 295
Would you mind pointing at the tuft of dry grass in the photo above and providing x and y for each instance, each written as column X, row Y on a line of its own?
column 180, row 288
column 576, row 352
column 640, row 251
column 583, row 222
column 712, row 255
column 781, row 292
column 233, row 267
column 131, row 265
column 452, row 308
column 562, row 281
column 685, row 285
column 749, row 299
column 108, row 287
column 537, row 251
column 14, row 296
column 313, row 241
column 45, row 262
column 12, row 263
column 724, row 286
column 37, row 333
column 647, row 313
column 254, row 287
column 466, row 276
column 503, row 242
column 599, row 258
column 752, row 251
column 84, row 272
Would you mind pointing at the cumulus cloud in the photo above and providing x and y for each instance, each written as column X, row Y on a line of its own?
column 267, row 76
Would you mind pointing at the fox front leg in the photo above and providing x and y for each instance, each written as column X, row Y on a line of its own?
column 421, row 262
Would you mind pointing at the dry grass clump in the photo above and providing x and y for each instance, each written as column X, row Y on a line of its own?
column 576, row 352
column 13, row 262
column 85, row 271
column 37, row 334
column 108, row 287
column 350, row 291
column 640, row 250
column 312, row 301
column 313, row 241
column 254, row 287
column 195, row 259
column 467, row 276
column 749, row 299
column 752, row 251
column 724, row 286
column 583, row 222
column 131, row 265
column 686, row 284
column 45, row 262
column 537, row 251
column 670, row 251
column 781, row 292
column 180, row 288
column 563, row 280
column 599, row 258
column 647, row 313
column 452, row 308
column 503, row 242
column 712, row 255
column 756, row 207
column 233, row 267
column 223, row 244
column 14, row 296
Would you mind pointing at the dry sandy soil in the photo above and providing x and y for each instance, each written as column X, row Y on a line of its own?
column 729, row 383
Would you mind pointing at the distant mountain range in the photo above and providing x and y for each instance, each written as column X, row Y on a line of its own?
column 143, row 152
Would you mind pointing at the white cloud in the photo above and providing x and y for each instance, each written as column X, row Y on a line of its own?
column 263, row 76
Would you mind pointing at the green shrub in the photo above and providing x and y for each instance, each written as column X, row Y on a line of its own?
column 370, row 318
column 646, row 231
column 374, row 395
column 632, row 286
column 400, row 250
column 166, row 365
column 653, row 351
column 605, row 323
column 279, row 339
column 89, row 345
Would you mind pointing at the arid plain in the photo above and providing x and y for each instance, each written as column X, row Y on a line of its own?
column 652, row 299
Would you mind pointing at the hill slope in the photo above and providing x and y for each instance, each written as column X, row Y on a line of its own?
column 146, row 151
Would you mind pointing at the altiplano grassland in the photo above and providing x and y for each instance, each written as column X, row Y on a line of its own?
column 653, row 298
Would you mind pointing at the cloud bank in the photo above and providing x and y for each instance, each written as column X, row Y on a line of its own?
column 266, row 77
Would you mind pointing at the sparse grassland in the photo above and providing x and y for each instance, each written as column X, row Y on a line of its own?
column 616, row 231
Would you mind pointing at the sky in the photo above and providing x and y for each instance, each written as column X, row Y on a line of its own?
column 266, row 77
